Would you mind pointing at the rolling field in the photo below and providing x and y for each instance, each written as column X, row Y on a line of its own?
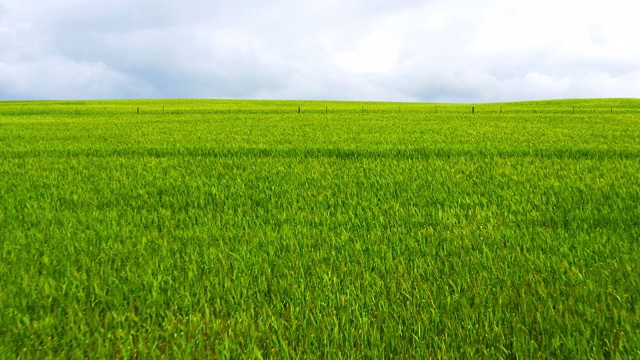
column 244, row 229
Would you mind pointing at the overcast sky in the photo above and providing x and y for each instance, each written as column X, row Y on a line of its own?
column 396, row 50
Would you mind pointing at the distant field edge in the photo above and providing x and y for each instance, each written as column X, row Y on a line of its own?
column 316, row 101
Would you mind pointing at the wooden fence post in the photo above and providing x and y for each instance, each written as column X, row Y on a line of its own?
column 298, row 109
column 473, row 109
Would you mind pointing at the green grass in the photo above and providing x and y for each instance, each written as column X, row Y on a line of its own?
column 242, row 229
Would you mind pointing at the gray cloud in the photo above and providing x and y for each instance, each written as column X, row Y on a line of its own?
column 371, row 50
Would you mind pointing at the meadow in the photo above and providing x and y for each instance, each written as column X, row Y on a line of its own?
column 308, row 229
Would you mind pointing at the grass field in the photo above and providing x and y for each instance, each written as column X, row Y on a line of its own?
column 244, row 229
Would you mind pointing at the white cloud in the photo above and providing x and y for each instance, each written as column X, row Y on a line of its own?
column 426, row 50
column 375, row 53
column 59, row 78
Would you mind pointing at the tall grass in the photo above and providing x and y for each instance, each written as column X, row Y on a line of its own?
column 241, row 229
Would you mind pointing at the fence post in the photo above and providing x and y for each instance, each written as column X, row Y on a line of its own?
column 473, row 109
column 298, row 109
column 138, row 110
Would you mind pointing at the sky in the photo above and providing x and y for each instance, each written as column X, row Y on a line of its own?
column 376, row 50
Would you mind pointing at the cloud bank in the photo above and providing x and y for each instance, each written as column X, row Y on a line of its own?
column 430, row 50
